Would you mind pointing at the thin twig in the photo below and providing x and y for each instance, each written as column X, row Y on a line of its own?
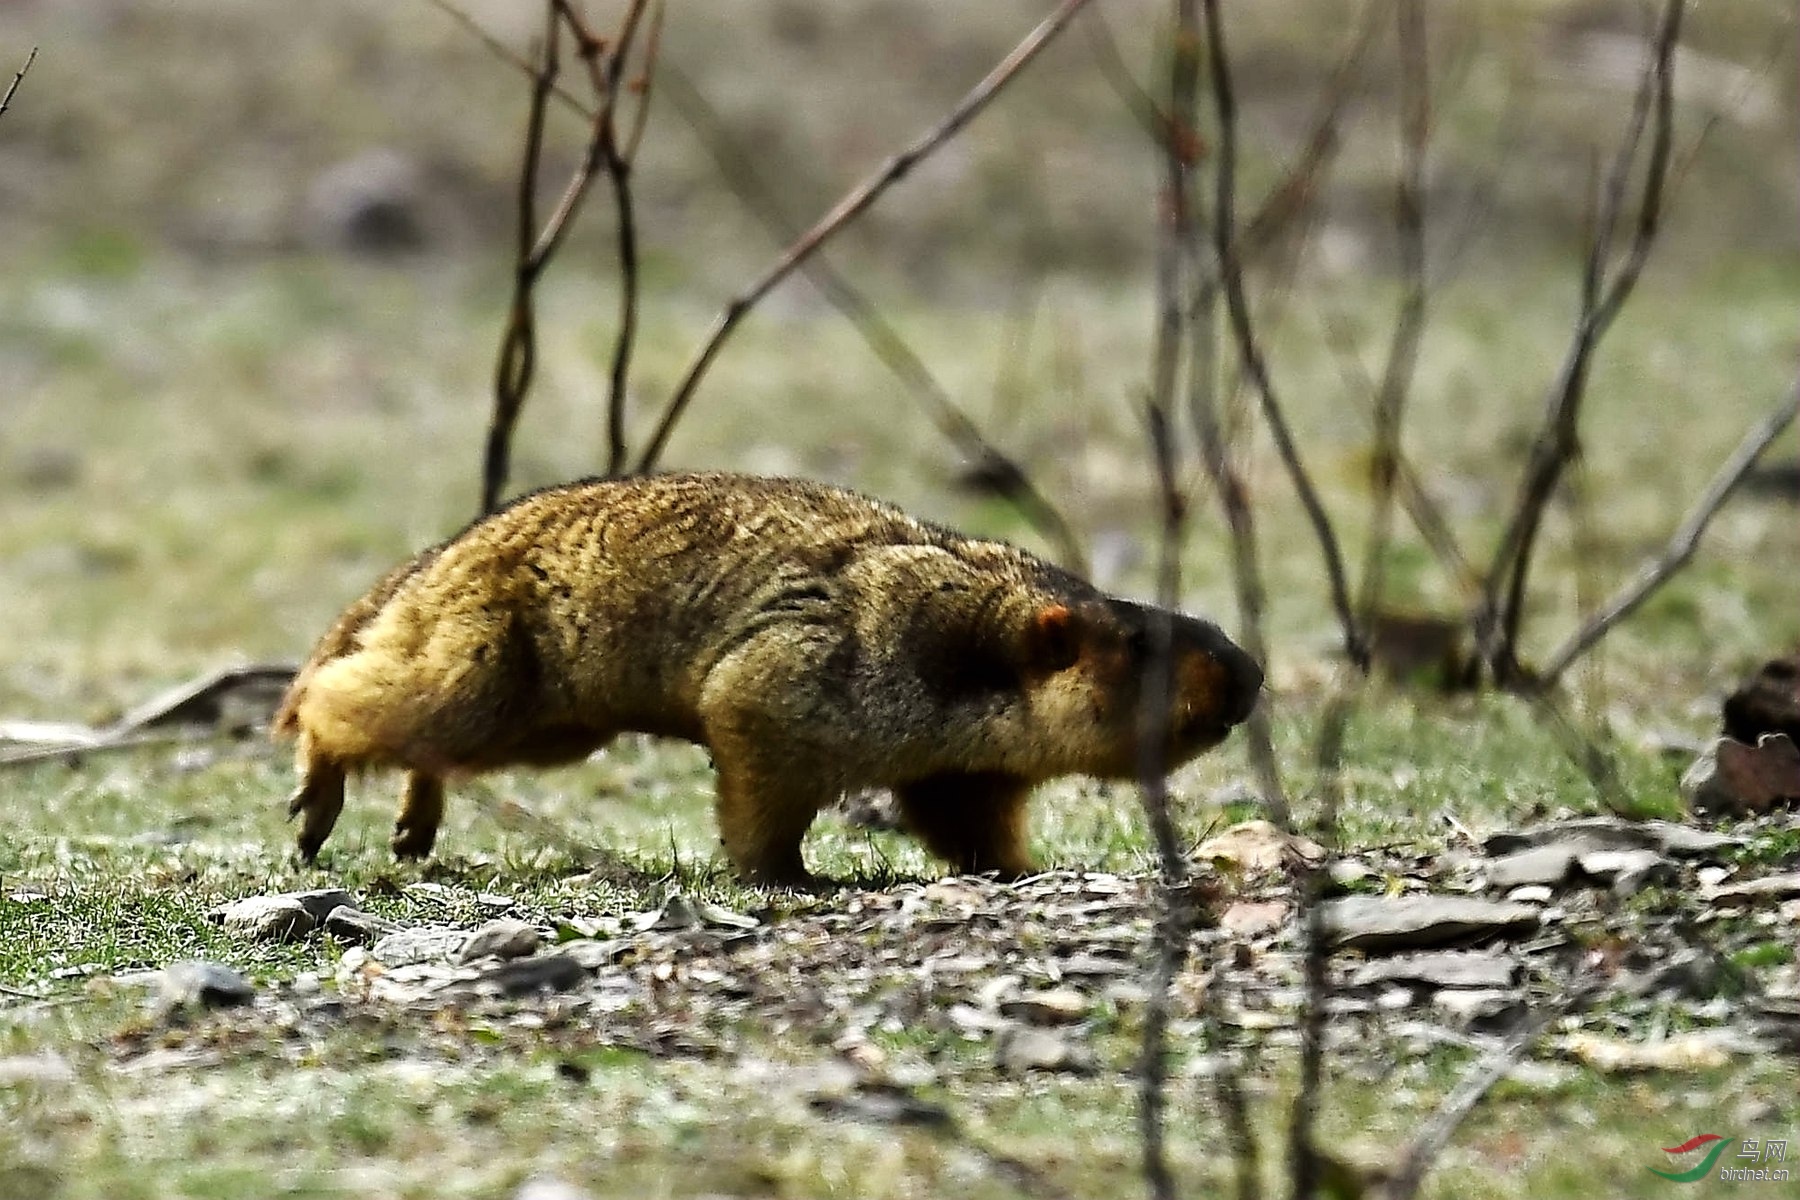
column 1238, row 308
column 606, row 71
column 847, row 209
column 536, row 247
column 17, row 79
column 1499, row 619
column 1174, row 240
column 510, row 57
column 1002, row 474
column 517, row 361
column 1409, row 324
column 1684, row 542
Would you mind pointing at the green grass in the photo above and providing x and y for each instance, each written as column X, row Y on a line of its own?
column 220, row 495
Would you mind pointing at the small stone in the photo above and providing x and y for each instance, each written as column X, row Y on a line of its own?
column 426, row 944
column 1084, row 963
column 1612, row 833
column 266, row 918
column 681, row 912
column 546, row 1188
column 1614, row 866
column 200, row 984
column 1346, row 871
column 1441, row 969
column 1532, row 893
column 323, row 901
column 1480, row 1010
column 504, row 938
column 354, row 927
column 1541, row 865
column 1255, row 847
column 1253, row 918
column 1378, row 923
column 592, row 954
column 1019, row 1049
column 1752, row 891
column 522, row 977
column 1055, row 1006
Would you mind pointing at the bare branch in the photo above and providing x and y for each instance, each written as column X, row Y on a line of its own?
column 509, row 56
column 17, row 79
column 1682, row 545
column 1174, row 240
column 1409, row 324
column 644, row 83
column 518, row 345
column 998, row 472
column 1498, row 620
column 1238, row 308
column 537, row 246
column 606, row 70
column 847, row 209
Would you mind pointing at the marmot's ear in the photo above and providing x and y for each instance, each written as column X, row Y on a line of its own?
column 1053, row 642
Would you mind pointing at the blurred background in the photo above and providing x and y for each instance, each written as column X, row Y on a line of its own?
column 257, row 260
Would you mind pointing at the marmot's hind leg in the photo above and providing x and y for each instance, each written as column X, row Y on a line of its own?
column 317, row 801
column 421, row 811
column 974, row 821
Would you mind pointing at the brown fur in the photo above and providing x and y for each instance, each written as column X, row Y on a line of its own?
column 814, row 640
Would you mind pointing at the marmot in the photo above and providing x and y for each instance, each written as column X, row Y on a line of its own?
column 813, row 639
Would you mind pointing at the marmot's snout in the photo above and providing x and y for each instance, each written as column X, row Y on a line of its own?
column 1244, row 681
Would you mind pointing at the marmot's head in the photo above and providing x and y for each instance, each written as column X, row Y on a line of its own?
column 1092, row 662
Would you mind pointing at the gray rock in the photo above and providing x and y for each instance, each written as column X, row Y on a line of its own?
column 504, row 938
column 357, row 928
column 431, row 943
column 266, row 918
column 1627, row 871
column 1612, row 833
column 201, row 984
column 544, row 1188
column 1540, row 865
column 1480, row 1010
column 1054, row 1006
column 593, row 954
column 1379, row 923
column 681, row 912
column 523, row 976
column 1439, row 968
column 322, row 902
column 283, row 917
column 1768, row 888
column 1019, row 1049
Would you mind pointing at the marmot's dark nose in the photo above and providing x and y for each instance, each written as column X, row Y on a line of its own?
column 1244, row 679
column 1247, row 680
